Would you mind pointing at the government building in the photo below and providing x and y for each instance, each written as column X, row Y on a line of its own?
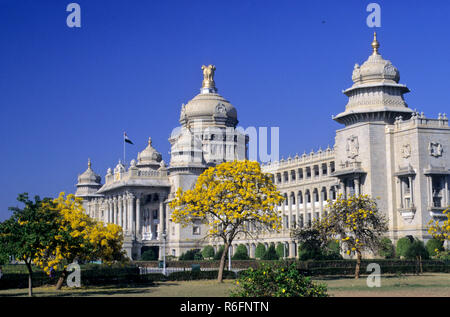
column 384, row 149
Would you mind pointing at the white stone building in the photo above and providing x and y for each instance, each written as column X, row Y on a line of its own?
column 385, row 150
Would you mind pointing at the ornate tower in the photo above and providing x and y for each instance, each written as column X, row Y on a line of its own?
column 363, row 149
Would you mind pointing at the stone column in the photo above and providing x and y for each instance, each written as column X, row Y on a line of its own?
column 411, row 190
column 138, row 215
column 297, row 210
column 290, row 211
column 357, row 185
column 291, row 250
column 313, row 204
column 131, row 226
column 320, row 203
column 119, row 219
column 109, row 210
column 161, row 217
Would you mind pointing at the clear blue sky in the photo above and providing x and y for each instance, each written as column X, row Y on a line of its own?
column 68, row 94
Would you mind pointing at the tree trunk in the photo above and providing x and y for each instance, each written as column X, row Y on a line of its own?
column 30, row 279
column 222, row 263
column 358, row 264
column 61, row 279
column 420, row 263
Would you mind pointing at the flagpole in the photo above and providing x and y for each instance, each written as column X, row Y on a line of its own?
column 124, row 161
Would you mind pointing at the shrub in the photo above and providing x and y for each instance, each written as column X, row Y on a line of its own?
column 149, row 255
column 333, row 251
column 417, row 249
column 434, row 245
column 208, row 252
column 219, row 252
column 199, row 275
column 241, row 253
column 271, row 253
column 277, row 281
column 402, row 246
column 190, row 255
column 280, row 250
column 387, row 248
column 260, row 251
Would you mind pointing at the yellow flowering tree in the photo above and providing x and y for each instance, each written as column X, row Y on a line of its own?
column 356, row 223
column 79, row 237
column 230, row 197
column 440, row 230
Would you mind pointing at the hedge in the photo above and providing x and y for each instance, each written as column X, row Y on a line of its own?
column 327, row 267
column 188, row 276
column 16, row 276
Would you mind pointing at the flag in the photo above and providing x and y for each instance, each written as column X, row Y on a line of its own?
column 126, row 139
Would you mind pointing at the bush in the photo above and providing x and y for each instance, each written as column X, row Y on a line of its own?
column 387, row 248
column 199, row 275
column 434, row 245
column 402, row 246
column 219, row 252
column 260, row 251
column 16, row 276
column 277, row 281
column 190, row 255
column 333, row 251
column 208, row 252
column 280, row 250
column 271, row 253
column 417, row 249
column 149, row 255
column 241, row 253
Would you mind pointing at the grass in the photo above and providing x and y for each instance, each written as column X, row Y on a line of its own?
column 430, row 284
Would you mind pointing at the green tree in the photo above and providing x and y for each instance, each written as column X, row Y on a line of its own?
column 220, row 252
column 260, row 251
column 208, row 252
column 277, row 281
column 387, row 248
column 402, row 246
column 417, row 250
column 190, row 255
column 230, row 198
column 241, row 253
column 280, row 250
column 149, row 255
column 271, row 253
column 310, row 243
column 434, row 246
column 29, row 229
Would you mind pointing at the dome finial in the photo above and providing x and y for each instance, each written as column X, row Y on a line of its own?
column 89, row 162
column 208, row 84
column 375, row 44
column 150, row 140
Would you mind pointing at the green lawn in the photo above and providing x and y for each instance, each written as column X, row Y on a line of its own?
column 431, row 284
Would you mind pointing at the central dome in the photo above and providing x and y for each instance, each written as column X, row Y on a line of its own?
column 209, row 107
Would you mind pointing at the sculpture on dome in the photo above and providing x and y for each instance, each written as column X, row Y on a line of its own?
column 208, row 76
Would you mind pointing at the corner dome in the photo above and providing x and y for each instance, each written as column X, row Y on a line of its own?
column 149, row 156
column 376, row 94
column 89, row 177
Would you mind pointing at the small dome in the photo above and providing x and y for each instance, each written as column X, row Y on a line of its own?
column 375, row 68
column 149, row 156
column 89, row 177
